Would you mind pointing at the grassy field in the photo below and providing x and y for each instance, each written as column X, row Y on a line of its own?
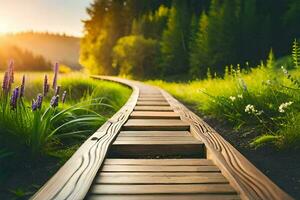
column 36, row 142
column 262, row 103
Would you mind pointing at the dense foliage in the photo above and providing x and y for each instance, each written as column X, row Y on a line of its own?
column 193, row 35
column 261, row 103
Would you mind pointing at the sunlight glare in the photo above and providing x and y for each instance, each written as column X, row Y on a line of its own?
column 3, row 28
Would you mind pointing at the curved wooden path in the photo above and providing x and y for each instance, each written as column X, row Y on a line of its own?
column 154, row 148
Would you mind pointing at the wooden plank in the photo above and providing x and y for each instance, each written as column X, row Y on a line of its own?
column 150, row 139
column 176, row 162
column 153, row 108
column 152, row 99
column 159, row 174
column 153, row 115
column 151, row 96
column 155, row 133
column 155, row 174
column 165, row 197
column 155, row 124
column 152, row 103
column 157, row 168
column 162, row 179
column 163, row 189
column 156, row 142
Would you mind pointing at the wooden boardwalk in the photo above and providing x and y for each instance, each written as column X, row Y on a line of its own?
column 154, row 148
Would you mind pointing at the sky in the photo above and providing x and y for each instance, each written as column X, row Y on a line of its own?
column 59, row 16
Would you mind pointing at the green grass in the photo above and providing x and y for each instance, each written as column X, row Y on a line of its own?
column 227, row 98
column 46, row 138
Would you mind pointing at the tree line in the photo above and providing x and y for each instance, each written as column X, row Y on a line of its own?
column 169, row 38
column 24, row 59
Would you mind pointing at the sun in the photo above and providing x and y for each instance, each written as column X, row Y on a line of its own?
column 3, row 28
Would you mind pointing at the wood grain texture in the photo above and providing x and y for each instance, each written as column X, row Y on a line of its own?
column 157, row 168
column 157, row 178
column 176, row 162
column 155, row 133
column 154, row 115
column 153, row 108
column 166, row 197
column 75, row 177
column 244, row 176
column 163, row 189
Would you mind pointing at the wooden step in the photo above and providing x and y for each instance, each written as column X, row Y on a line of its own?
column 155, row 124
column 165, row 197
column 154, row 133
column 158, row 178
column 161, row 179
column 161, row 97
column 154, row 115
column 153, row 108
column 152, row 103
column 163, row 189
column 164, row 162
column 151, row 139
column 152, row 99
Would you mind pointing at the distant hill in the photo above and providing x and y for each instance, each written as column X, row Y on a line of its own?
column 24, row 60
column 53, row 47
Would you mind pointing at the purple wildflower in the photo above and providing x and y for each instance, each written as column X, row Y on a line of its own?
column 57, row 90
column 22, row 90
column 45, row 86
column 33, row 105
column 5, row 82
column 54, row 101
column 39, row 101
column 11, row 72
column 14, row 98
column 63, row 98
column 55, row 76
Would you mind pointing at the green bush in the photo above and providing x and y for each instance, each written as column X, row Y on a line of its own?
column 136, row 56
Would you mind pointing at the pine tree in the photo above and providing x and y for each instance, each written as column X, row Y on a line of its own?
column 199, row 55
column 174, row 45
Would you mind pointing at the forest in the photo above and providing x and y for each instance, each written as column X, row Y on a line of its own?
column 168, row 38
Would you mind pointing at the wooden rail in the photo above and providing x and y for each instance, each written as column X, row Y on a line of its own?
column 192, row 161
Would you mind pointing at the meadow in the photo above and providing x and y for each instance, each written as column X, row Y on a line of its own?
column 42, row 126
column 261, row 103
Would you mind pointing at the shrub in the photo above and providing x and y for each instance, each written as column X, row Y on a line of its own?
column 136, row 56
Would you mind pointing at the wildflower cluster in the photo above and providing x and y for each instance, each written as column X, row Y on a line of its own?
column 19, row 92
column 233, row 98
column 284, row 106
column 250, row 109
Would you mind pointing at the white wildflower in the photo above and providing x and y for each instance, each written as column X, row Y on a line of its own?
column 284, row 70
column 250, row 109
column 240, row 96
column 232, row 98
column 283, row 106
